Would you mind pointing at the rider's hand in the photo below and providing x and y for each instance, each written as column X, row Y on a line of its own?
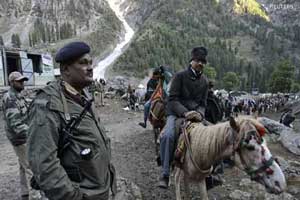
column 193, row 116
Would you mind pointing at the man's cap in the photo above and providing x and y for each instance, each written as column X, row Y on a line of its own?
column 72, row 51
column 199, row 54
column 156, row 71
column 17, row 76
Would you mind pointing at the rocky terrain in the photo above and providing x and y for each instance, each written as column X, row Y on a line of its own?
column 246, row 37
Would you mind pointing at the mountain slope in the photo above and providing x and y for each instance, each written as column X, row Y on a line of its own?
column 43, row 22
column 242, row 36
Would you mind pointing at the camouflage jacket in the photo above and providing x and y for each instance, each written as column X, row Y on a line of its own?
column 15, row 116
column 70, row 177
column 99, row 87
column 96, row 87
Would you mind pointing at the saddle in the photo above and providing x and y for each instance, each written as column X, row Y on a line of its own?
column 180, row 144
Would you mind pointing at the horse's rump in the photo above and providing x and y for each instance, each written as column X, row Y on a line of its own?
column 213, row 111
column 157, row 115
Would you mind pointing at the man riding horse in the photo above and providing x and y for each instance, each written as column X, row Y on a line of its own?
column 187, row 99
column 151, row 86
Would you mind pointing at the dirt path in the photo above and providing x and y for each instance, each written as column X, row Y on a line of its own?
column 133, row 155
column 9, row 180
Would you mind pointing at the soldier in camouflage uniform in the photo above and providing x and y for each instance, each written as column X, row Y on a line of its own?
column 15, row 116
column 98, row 94
column 83, row 170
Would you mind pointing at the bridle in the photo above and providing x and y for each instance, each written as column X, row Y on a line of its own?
column 255, row 173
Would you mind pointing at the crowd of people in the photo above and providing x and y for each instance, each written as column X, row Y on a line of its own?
column 248, row 106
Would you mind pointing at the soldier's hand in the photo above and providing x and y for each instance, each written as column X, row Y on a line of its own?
column 193, row 116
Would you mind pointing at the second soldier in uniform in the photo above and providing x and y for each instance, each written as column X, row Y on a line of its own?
column 15, row 110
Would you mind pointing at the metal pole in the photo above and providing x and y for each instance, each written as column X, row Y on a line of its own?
column 5, row 67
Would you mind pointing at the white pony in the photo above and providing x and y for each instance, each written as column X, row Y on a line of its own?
column 208, row 144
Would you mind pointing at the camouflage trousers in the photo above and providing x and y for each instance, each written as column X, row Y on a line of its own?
column 25, row 174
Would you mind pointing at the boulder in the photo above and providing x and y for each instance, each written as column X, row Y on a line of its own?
column 245, row 182
column 238, row 194
column 285, row 196
column 247, row 187
column 284, row 165
column 288, row 137
column 294, row 190
column 118, row 84
column 126, row 190
column 294, row 105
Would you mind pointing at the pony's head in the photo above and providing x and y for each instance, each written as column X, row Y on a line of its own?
column 255, row 156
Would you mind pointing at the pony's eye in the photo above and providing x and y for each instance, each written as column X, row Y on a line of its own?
column 248, row 138
column 250, row 147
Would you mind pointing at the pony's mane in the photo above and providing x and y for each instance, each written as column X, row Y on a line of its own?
column 245, row 118
column 209, row 142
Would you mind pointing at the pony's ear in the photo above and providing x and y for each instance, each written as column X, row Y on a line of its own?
column 234, row 124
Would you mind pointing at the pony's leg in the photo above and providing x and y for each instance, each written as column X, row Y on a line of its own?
column 177, row 183
column 187, row 191
column 203, row 190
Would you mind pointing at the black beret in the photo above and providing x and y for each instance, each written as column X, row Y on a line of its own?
column 71, row 51
column 199, row 53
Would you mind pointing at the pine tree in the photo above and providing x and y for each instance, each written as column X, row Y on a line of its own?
column 282, row 77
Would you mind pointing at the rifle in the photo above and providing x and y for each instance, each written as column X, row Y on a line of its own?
column 66, row 133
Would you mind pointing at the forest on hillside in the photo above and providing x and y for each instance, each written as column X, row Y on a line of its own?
column 245, row 43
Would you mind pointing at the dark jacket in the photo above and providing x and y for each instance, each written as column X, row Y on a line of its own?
column 187, row 92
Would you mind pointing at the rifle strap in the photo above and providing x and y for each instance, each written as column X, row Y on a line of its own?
column 65, row 107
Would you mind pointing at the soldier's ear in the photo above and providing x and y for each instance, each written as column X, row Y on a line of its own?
column 64, row 68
